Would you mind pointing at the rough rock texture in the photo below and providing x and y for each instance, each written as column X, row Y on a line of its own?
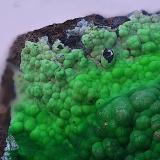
column 55, row 31
column 58, row 31
column 6, row 95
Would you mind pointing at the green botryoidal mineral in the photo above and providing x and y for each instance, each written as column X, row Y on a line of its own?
column 96, row 106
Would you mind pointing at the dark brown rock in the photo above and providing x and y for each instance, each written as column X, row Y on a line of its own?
column 6, row 95
column 58, row 31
